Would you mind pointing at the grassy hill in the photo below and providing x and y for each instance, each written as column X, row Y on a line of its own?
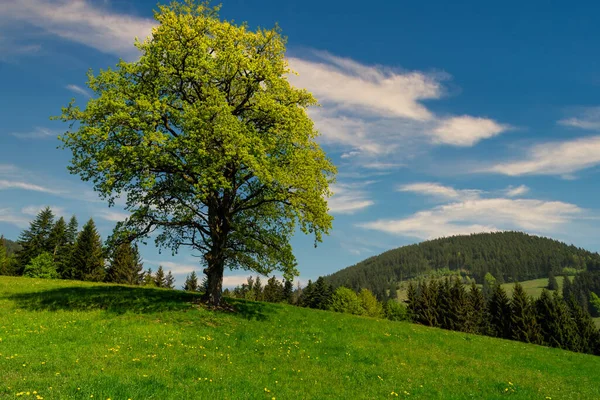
column 62, row 340
column 515, row 256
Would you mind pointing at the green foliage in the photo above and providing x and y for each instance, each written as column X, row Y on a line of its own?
column 148, row 279
column 595, row 304
column 41, row 266
column 569, row 271
column 510, row 256
column 345, row 300
column 87, row 260
column 478, row 317
column 208, row 141
column 125, row 265
column 395, row 311
column 4, row 260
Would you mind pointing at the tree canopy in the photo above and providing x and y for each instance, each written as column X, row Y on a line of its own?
column 208, row 142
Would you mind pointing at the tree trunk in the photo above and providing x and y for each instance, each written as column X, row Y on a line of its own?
column 214, row 274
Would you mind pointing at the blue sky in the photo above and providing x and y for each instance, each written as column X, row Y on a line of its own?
column 442, row 118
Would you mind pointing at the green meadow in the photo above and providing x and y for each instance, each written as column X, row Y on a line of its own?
column 76, row 340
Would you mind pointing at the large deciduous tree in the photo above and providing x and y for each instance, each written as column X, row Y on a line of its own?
column 209, row 143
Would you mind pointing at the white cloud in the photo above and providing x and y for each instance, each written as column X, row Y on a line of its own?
column 466, row 130
column 516, row 191
column 588, row 119
column 554, row 158
column 6, row 184
column 79, row 89
column 7, row 215
column 37, row 133
column 355, row 86
column 440, row 191
column 348, row 198
column 80, row 21
column 113, row 216
column 35, row 210
column 467, row 211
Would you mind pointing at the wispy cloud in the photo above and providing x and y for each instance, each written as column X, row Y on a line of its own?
column 463, row 215
column 9, row 216
column 378, row 113
column 7, row 184
column 80, row 21
column 588, row 118
column 349, row 198
column 516, row 191
column 34, row 210
column 36, row 133
column 440, row 191
column 113, row 216
column 79, row 90
column 554, row 158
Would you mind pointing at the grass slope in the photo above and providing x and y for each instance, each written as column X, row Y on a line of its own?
column 73, row 340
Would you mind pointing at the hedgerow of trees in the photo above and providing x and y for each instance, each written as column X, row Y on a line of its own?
column 54, row 249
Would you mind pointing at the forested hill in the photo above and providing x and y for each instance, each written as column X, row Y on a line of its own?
column 510, row 256
column 11, row 247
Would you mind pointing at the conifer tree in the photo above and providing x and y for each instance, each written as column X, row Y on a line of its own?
column 160, row 280
column 412, row 301
column 4, row 261
column 588, row 334
column 307, row 295
column 524, row 325
column 148, row 279
column 36, row 240
column 322, row 294
column 555, row 321
column 458, row 310
column 594, row 305
column 443, row 303
column 204, row 284
column 427, row 306
column 288, row 291
column 257, row 289
column 393, row 291
column 88, row 255
column 273, row 291
column 126, row 265
column 567, row 287
column 191, row 282
column 58, row 237
column 170, row 281
column 41, row 266
column 65, row 253
column 500, row 313
column 552, row 283
column 477, row 314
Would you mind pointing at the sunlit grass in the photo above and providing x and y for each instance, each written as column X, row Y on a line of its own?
column 76, row 340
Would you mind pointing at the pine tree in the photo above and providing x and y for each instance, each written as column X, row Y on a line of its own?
column 412, row 302
column 148, row 279
column 65, row 253
column 555, row 321
column 288, row 291
column 203, row 284
column 273, row 291
column 35, row 240
column 257, row 289
column 57, row 237
column 88, row 255
column 427, row 306
column 393, row 293
column 191, row 282
column 524, row 326
column 41, row 266
column 126, row 265
column 170, row 281
column 477, row 316
column 588, row 334
column 4, row 261
column 459, row 306
column 500, row 313
column 552, row 283
column 306, row 299
column 567, row 287
column 160, row 279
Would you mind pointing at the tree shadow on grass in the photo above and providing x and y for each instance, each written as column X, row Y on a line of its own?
column 122, row 299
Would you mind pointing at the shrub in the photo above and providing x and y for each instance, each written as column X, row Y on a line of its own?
column 41, row 266
column 395, row 311
column 369, row 303
column 345, row 300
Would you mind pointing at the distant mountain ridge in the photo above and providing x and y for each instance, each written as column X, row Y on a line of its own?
column 513, row 256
